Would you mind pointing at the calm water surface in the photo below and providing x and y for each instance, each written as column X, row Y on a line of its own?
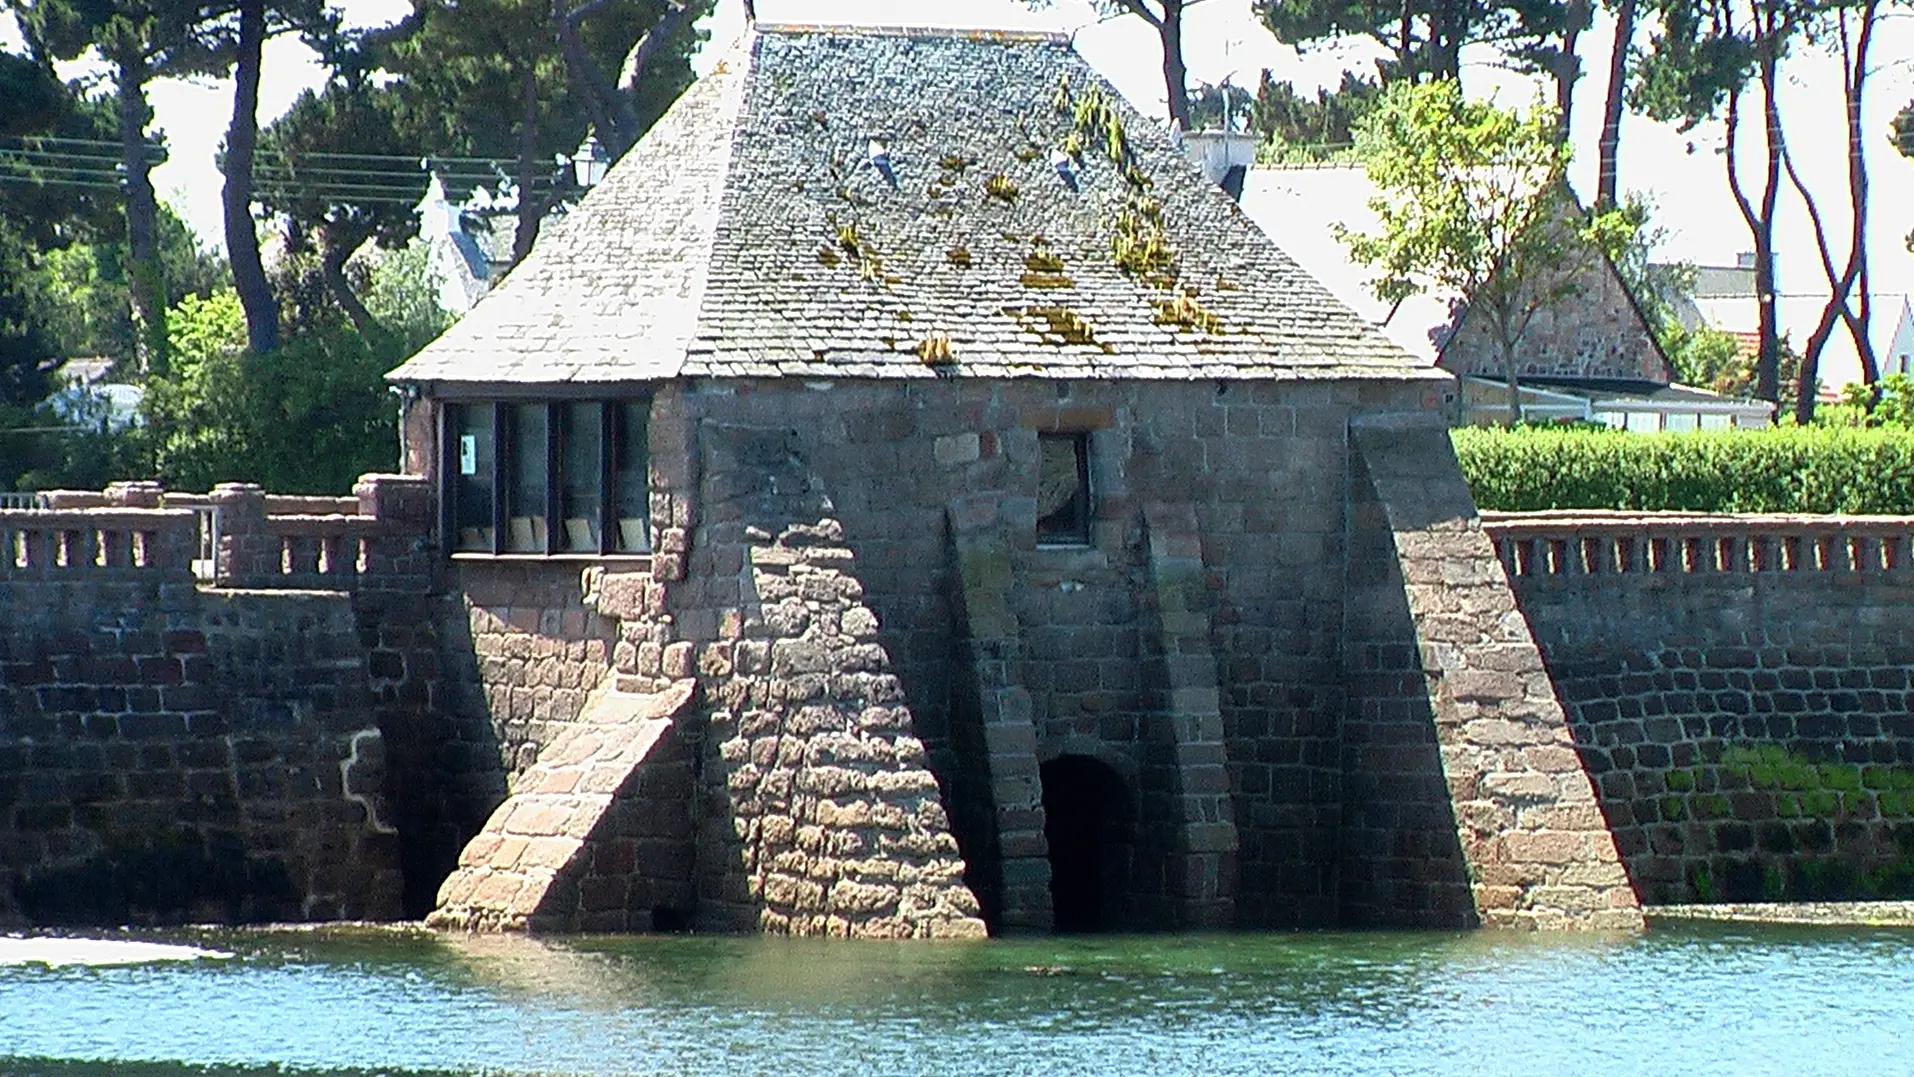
column 1679, row 1001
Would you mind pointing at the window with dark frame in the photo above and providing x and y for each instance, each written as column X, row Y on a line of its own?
column 542, row 478
column 1063, row 489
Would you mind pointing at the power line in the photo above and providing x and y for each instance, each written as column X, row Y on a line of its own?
column 411, row 160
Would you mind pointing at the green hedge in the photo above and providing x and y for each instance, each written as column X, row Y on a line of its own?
column 1786, row 469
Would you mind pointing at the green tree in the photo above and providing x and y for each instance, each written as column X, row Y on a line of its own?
column 653, row 70
column 27, row 351
column 46, row 211
column 308, row 417
column 87, row 286
column 1709, row 358
column 302, row 182
column 1423, row 38
column 1292, row 126
column 254, row 22
column 1903, row 137
column 1847, row 27
column 489, row 77
column 140, row 41
column 1471, row 200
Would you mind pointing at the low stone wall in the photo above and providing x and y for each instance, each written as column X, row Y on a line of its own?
column 168, row 757
column 1739, row 690
column 171, row 750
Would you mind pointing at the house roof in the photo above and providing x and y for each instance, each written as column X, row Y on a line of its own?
column 750, row 234
column 1599, row 334
column 1890, row 330
column 1299, row 207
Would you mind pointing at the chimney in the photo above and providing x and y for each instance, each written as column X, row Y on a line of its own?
column 1745, row 260
column 1224, row 156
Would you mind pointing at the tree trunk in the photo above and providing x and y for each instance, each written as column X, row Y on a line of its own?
column 1567, row 66
column 242, row 237
column 1768, row 363
column 1514, row 382
column 1175, row 74
column 146, row 276
column 528, row 165
column 1859, row 322
column 1609, row 148
column 1448, row 29
column 334, row 252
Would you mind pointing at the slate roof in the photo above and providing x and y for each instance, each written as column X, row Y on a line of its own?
column 749, row 234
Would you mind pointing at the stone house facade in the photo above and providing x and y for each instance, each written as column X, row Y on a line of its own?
column 905, row 498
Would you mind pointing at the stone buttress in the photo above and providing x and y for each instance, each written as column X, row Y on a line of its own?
column 1436, row 637
column 820, row 815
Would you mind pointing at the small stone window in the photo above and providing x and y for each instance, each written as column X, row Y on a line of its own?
column 543, row 478
column 1063, row 490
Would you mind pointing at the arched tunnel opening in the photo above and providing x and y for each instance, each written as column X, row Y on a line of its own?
column 1090, row 825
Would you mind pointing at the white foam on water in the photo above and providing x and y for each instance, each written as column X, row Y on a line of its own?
column 56, row 952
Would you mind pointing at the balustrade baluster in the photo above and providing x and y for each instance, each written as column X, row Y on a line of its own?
column 1793, row 549
column 299, row 555
column 1828, row 553
column 1631, row 554
column 1894, row 552
column 1734, row 553
column 1870, row 554
column 1588, row 555
column 42, row 549
column 1693, row 554
column 1763, row 556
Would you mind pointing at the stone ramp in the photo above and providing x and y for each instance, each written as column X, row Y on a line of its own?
column 596, row 835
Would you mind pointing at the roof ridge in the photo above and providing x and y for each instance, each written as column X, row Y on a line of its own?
column 1008, row 37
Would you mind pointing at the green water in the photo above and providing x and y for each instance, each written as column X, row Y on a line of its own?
column 1686, row 1001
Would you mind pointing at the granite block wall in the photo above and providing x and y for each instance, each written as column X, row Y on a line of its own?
column 1738, row 690
column 168, row 755
column 1076, row 659
column 285, row 746
column 1467, row 803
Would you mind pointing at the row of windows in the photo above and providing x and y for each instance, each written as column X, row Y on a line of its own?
column 571, row 478
column 566, row 477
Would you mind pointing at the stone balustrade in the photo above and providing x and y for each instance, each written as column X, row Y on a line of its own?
column 235, row 536
column 1595, row 543
column 108, row 541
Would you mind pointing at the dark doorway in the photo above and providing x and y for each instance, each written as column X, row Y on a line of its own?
column 1089, row 824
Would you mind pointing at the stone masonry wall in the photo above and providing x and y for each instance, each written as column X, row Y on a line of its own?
column 539, row 649
column 1739, row 691
column 1449, row 672
column 818, row 815
column 1595, row 332
column 167, row 755
column 1078, row 664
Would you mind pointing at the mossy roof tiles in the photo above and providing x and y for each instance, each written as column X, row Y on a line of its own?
column 748, row 234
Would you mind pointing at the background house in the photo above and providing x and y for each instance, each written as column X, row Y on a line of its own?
column 1592, row 358
column 1724, row 298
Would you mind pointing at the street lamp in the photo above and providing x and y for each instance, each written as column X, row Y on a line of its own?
column 590, row 163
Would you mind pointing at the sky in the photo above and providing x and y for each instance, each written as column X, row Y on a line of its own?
column 1681, row 172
